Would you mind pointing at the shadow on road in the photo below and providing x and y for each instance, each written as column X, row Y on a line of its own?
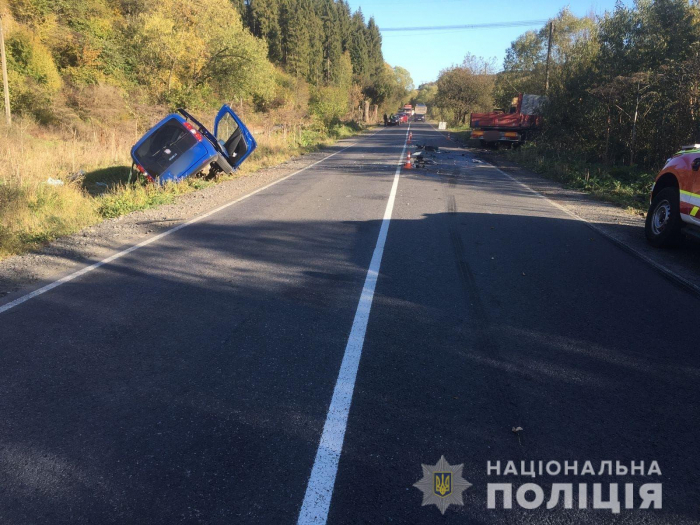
column 184, row 381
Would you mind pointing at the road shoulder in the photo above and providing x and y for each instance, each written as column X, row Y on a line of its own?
column 623, row 227
column 22, row 273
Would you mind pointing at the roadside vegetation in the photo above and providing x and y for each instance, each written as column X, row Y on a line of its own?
column 626, row 186
column 623, row 95
column 89, row 77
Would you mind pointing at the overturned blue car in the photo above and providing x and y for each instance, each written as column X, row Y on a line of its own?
column 180, row 146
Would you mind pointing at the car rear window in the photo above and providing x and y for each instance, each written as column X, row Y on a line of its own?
column 164, row 146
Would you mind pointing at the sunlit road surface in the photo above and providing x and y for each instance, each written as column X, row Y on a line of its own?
column 297, row 356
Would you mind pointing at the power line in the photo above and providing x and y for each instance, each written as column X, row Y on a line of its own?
column 414, row 34
column 493, row 25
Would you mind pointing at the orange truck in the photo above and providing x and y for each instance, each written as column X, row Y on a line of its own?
column 675, row 199
column 514, row 127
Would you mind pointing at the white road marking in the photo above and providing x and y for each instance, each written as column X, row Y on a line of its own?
column 150, row 240
column 319, row 490
column 658, row 266
column 623, row 245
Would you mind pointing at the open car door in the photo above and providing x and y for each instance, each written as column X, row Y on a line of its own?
column 233, row 137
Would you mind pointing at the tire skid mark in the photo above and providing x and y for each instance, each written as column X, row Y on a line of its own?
column 483, row 343
column 451, row 204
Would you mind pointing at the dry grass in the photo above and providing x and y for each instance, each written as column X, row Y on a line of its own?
column 93, row 166
column 32, row 211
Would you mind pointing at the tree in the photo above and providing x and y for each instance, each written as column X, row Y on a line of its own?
column 316, row 37
column 263, row 20
column 403, row 80
column 295, row 41
column 358, row 49
column 375, row 59
column 332, row 43
column 466, row 88
column 329, row 104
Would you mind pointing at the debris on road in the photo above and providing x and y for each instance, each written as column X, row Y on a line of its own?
column 425, row 155
column 428, row 147
column 517, row 431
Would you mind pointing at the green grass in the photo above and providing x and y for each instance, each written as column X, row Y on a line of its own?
column 461, row 133
column 124, row 199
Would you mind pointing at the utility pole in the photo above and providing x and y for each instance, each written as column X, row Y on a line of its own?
column 5, row 86
column 549, row 52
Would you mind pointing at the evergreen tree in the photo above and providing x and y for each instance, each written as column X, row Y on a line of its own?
column 242, row 7
column 332, row 43
column 295, row 38
column 263, row 21
column 374, row 48
column 344, row 23
column 358, row 49
column 308, row 38
column 316, row 38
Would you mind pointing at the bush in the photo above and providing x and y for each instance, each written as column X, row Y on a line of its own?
column 33, row 77
column 329, row 104
column 627, row 186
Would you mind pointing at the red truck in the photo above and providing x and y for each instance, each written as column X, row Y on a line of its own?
column 513, row 127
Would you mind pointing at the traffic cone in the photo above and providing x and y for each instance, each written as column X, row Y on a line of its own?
column 408, row 164
column 448, row 137
column 410, row 136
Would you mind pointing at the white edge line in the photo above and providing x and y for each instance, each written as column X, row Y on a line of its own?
column 667, row 272
column 150, row 240
column 319, row 490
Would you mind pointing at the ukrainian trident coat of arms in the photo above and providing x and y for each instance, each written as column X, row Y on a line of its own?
column 442, row 484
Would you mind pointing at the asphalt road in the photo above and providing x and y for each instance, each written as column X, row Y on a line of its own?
column 189, row 381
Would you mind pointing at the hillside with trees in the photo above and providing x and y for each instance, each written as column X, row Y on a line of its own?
column 88, row 77
column 193, row 53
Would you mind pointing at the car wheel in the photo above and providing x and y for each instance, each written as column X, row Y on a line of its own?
column 223, row 164
column 663, row 224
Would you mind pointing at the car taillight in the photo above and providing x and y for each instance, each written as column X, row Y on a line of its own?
column 142, row 170
column 194, row 132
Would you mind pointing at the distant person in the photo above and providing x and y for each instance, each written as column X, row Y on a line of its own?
column 386, row 120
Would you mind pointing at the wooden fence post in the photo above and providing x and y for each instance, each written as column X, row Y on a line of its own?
column 5, row 86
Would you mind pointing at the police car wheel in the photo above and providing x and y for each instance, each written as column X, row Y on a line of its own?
column 663, row 223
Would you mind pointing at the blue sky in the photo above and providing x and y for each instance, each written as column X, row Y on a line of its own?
column 424, row 54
